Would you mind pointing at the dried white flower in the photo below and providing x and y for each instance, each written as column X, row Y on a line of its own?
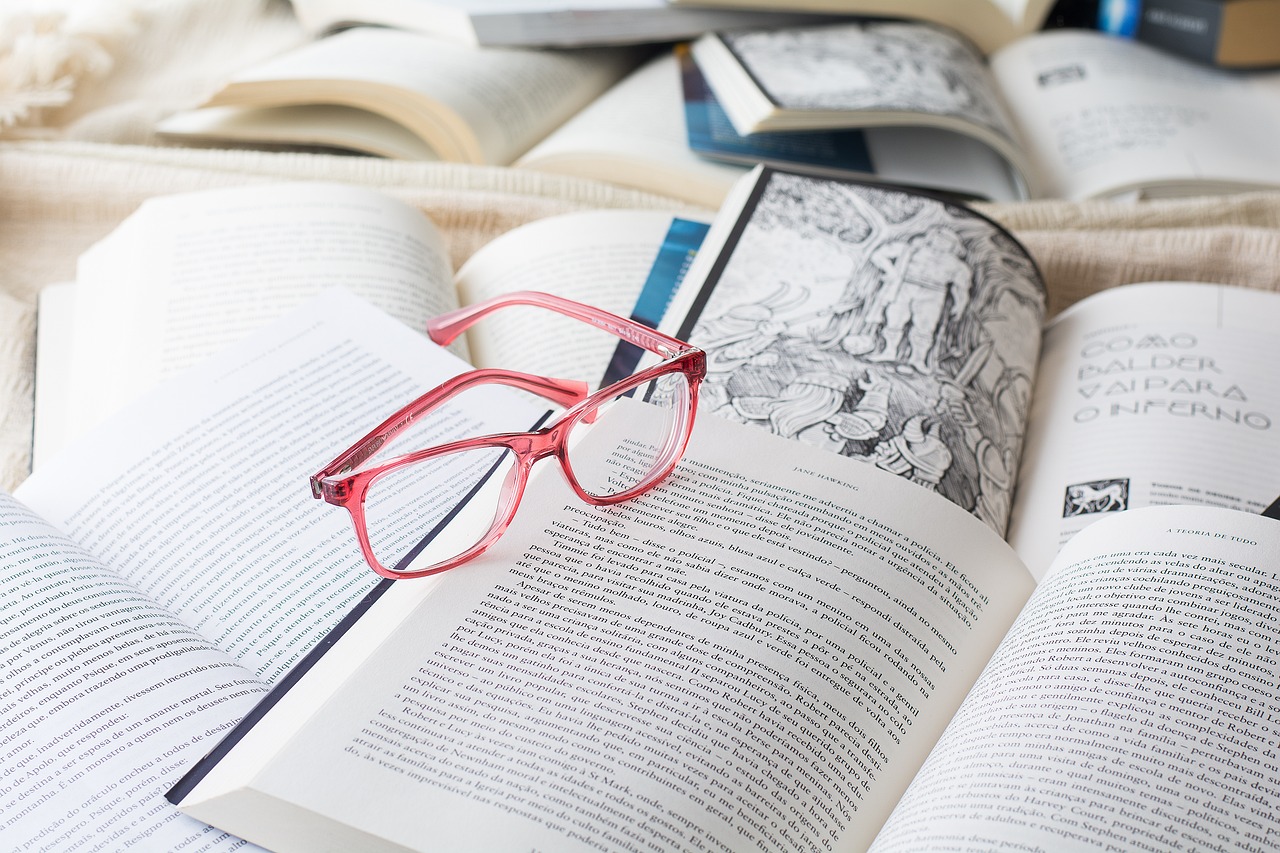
column 45, row 54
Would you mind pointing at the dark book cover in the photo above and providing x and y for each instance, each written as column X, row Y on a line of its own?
column 1226, row 33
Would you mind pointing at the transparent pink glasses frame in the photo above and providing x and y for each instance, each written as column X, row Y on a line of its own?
column 341, row 484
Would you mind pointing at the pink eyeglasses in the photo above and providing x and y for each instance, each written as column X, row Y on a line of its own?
column 612, row 445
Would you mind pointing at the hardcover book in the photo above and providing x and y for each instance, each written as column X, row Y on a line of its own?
column 1240, row 34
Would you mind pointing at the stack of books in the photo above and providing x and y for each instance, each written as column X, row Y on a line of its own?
column 944, row 97
column 936, row 571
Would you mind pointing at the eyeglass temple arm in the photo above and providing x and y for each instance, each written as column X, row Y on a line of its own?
column 445, row 328
column 564, row 392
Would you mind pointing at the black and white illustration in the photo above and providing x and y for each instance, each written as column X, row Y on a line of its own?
column 882, row 325
column 1096, row 496
column 888, row 65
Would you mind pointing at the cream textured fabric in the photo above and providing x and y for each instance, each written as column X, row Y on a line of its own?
column 69, row 175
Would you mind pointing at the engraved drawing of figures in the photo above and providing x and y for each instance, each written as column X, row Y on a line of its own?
column 921, row 276
column 987, row 398
column 917, row 453
column 887, row 327
column 868, row 416
column 802, row 410
column 746, row 341
column 759, row 331
column 815, row 407
column 996, row 460
column 886, row 66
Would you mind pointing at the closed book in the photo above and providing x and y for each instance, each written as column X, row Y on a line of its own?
column 1227, row 33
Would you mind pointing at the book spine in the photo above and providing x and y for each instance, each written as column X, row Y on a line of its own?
column 1190, row 28
column 1187, row 28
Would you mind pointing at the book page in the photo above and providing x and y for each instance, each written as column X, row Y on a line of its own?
column 198, row 495
column 602, row 258
column 188, row 275
column 106, row 699
column 1101, row 115
column 1133, row 705
column 54, row 339
column 1150, row 394
column 882, row 325
column 753, row 654
column 634, row 134
column 325, row 125
column 470, row 104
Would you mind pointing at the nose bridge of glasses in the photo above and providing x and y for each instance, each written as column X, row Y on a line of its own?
column 539, row 444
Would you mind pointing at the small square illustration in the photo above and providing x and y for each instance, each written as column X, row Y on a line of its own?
column 1096, row 496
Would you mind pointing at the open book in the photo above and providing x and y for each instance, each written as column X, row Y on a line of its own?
column 1074, row 113
column 909, row 155
column 189, row 568
column 906, row 331
column 188, row 275
column 408, row 95
column 542, row 699
column 370, row 91
column 768, row 653
column 781, row 635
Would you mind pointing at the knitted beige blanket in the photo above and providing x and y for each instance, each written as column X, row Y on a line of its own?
column 75, row 168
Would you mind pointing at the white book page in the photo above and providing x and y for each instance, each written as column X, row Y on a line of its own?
column 304, row 124
column 930, row 158
column 54, row 336
column 1146, row 395
column 198, row 494
column 634, row 134
column 188, row 275
column 1102, row 115
column 1133, row 705
column 106, row 700
column 470, row 104
column 757, row 655
column 601, row 258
